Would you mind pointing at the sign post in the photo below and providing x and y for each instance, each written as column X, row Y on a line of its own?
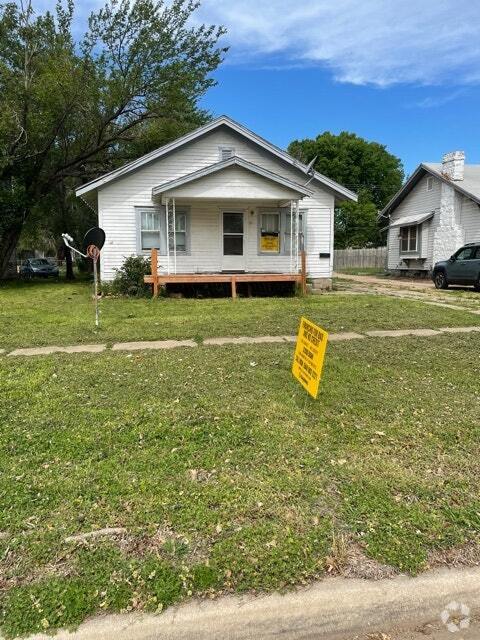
column 92, row 244
column 309, row 355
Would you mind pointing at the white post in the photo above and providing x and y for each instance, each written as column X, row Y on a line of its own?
column 174, row 239
column 297, row 230
column 168, row 234
column 291, row 236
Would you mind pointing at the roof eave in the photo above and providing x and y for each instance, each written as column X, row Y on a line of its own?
column 338, row 189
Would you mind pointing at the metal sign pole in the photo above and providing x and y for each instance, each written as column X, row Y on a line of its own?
column 95, row 286
column 93, row 248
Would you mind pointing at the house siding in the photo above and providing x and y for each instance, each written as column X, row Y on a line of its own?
column 470, row 219
column 420, row 201
column 117, row 201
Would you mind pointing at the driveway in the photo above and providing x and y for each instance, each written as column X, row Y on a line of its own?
column 401, row 283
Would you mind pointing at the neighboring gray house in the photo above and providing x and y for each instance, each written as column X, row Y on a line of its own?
column 220, row 199
column 434, row 214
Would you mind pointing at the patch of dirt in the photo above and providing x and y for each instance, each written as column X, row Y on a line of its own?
column 352, row 562
column 467, row 555
column 167, row 543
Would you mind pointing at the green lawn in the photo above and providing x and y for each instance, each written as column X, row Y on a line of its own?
column 58, row 313
column 225, row 474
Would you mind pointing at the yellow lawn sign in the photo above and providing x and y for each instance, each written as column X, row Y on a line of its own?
column 309, row 355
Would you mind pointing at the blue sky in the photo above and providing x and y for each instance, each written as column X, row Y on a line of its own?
column 405, row 73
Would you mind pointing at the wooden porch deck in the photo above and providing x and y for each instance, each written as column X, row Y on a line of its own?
column 159, row 279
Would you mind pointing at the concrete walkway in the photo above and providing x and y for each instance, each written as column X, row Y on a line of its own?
column 227, row 340
column 333, row 609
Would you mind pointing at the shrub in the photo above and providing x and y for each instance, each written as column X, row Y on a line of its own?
column 129, row 278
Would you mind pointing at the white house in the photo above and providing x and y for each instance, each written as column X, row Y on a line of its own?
column 434, row 214
column 218, row 200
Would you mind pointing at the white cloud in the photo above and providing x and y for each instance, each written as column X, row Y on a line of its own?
column 380, row 42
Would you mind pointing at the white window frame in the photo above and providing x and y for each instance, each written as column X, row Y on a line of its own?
column 409, row 238
column 270, row 212
column 162, row 240
column 284, row 230
column 162, row 234
column 430, row 183
column 222, row 149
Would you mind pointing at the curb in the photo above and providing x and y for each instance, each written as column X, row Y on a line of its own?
column 333, row 609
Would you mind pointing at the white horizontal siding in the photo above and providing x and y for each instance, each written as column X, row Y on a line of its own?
column 418, row 201
column 470, row 219
column 118, row 199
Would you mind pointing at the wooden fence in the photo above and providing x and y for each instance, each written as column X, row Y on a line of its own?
column 359, row 258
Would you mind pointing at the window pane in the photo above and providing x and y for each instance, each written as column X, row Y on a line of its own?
column 233, row 223
column 150, row 221
column 150, row 240
column 181, row 238
column 180, row 222
column 413, row 238
column 233, row 245
column 270, row 222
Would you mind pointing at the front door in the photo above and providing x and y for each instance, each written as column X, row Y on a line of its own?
column 233, row 241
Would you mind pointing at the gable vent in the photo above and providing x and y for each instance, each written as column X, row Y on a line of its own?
column 226, row 153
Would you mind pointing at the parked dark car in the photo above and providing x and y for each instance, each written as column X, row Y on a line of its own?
column 462, row 268
column 38, row 267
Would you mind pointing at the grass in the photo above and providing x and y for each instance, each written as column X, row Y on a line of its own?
column 226, row 476
column 35, row 314
column 362, row 271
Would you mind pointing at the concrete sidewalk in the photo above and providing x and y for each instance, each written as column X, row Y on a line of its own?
column 334, row 609
column 231, row 340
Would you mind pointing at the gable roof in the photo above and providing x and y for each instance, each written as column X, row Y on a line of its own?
column 338, row 189
column 231, row 162
column 469, row 186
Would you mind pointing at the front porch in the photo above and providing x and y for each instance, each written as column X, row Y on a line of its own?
column 158, row 280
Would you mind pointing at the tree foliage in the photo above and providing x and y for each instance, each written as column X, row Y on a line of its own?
column 71, row 110
column 362, row 166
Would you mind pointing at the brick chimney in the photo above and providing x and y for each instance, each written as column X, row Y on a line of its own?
column 453, row 165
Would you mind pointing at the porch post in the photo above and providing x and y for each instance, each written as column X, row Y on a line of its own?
column 291, row 236
column 297, row 225
column 174, row 239
column 167, row 204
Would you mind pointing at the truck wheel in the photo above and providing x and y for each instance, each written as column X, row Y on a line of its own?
column 440, row 280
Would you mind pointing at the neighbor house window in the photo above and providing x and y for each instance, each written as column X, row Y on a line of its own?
column 408, row 239
column 429, row 184
column 225, row 153
column 152, row 230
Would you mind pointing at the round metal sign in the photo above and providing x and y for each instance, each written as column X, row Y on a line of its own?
column 94, row 236
column 93, row 252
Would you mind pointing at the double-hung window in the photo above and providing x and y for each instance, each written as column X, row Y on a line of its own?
column 288, row 240
column 153, row 230
column 408, row 239
column 270, row 232
column 275, row 231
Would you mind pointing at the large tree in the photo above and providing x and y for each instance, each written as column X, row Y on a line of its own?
column 362, row 166
column 69, row 110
